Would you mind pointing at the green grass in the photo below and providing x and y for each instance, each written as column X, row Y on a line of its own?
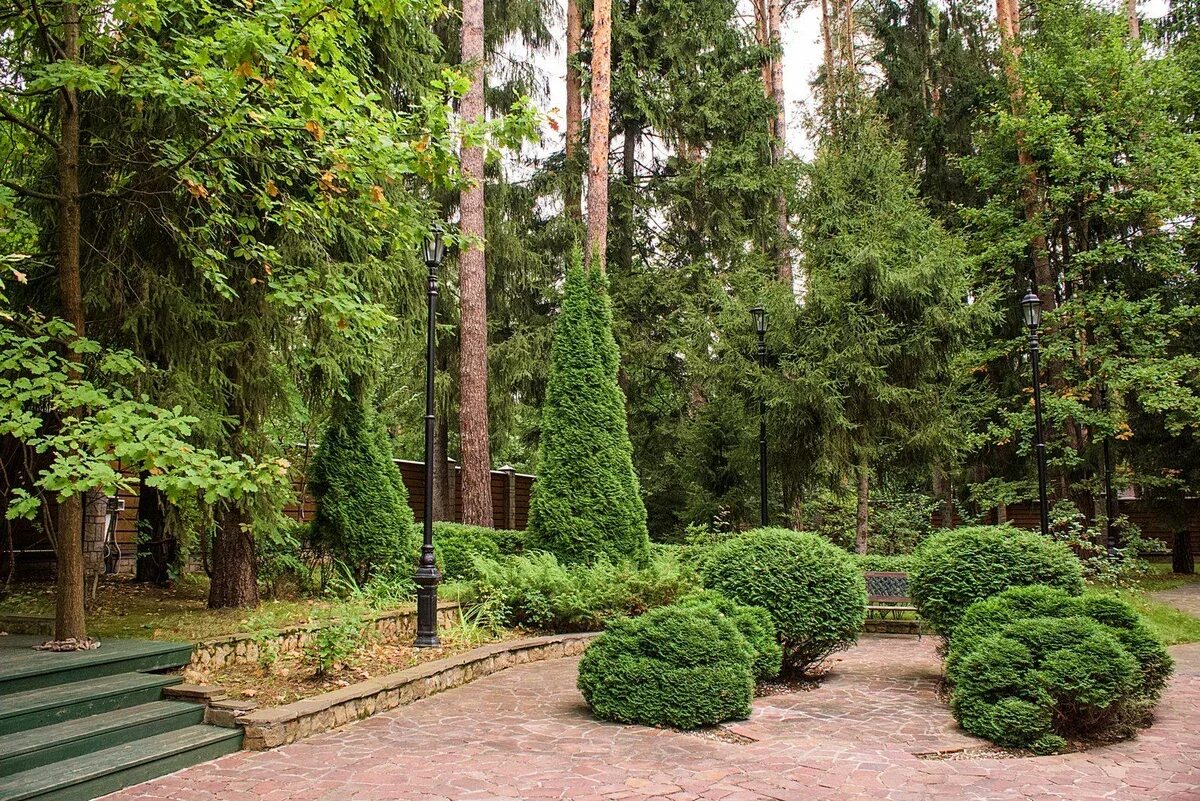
column 1173, row 626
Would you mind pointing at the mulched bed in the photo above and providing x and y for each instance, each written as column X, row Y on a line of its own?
column 292, row 677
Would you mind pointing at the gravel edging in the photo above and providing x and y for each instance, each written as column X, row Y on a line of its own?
column 270, row 728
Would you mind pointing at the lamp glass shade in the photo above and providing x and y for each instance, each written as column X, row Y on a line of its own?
column 1031, row 309
column 760, row 319
column 433, row 249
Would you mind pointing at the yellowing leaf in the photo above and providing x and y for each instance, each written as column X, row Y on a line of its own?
column 422, row 144
column 377, row 193
column 21, row 278
column 314, row 128
column 197, row 190
column 244, row 70
column 272, row 189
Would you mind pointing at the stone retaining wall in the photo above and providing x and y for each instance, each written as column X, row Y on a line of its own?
column 268, row 728
column 242, row 649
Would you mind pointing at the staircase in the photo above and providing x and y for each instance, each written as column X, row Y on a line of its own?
column 74, row 726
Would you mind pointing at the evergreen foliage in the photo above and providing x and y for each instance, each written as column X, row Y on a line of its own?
column 363, row 519
column 755, row 625
column 457, row 546
column 681, row 666
column 1034, row 665
column 955, row 568
column 813, row 590
column 586, row 503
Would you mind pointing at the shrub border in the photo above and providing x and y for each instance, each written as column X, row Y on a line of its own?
column 270, row 728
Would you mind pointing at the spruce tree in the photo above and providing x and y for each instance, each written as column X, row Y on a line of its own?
column 363, row 519
column 586, row 502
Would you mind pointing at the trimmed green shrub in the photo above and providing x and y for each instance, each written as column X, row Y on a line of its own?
column 456, row 545
column 1042, row 679
column 363, row 519
column 1032, row 664
column 956, row 567
column 537, row 591
column 755, row 625
column 681, row 666
column 586, row 503
column 813, row 589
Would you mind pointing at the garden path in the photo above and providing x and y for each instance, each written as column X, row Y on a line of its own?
column 525, row 733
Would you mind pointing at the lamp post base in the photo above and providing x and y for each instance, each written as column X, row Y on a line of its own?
column 427, row 579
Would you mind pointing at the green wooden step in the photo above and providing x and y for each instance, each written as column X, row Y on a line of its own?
column 71, row 738
column 23, row 669
column 47, row 705
column 86, row 777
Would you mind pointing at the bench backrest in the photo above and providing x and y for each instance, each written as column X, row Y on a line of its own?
column 887, row 586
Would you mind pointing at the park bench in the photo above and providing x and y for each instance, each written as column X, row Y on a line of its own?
column 887, row 595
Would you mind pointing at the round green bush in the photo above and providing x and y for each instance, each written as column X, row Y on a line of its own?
column 814, row 590
column 1042, row 679
column 954, row 568
column 991, row 615
column 755, row 625
column 680, row 666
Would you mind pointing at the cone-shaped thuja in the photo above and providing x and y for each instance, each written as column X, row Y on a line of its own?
column 586, row 502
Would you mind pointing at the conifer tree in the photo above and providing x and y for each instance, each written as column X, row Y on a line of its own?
column 586, row 502
column 363, row 519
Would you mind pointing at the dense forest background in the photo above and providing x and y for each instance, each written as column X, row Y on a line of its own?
column 212, row 211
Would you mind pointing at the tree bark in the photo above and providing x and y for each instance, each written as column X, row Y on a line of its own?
column 597, row 193
column 572, row 184
column 68, row 535
column 862, row 518
column 629, row 178
column 233, row 562
column 156, row 550
column 473, row 340
column 1182, row 560
column 783, row 255
column 1135, row 28
column 95, row 529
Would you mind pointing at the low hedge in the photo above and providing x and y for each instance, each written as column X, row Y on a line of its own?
column 955, row 568
column 1034, row 665
column 813, row 590
column 755, row 625
column 456, row 545
column 682, row 666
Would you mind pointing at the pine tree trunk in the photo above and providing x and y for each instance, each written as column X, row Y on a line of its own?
column 1182, row 560
column 783, row 255
column 473, row 340
column 629, row 177
column 1135, row 28
column 573, row 185
column 597, row 194
column 862, row 518
column 233, row 563
column 68, row 540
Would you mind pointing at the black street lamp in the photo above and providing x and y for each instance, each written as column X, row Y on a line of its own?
column 1031, row 310
column 760, row 325
column 433, row 250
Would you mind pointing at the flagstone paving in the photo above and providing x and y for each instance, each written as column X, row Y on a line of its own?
column 526, row 734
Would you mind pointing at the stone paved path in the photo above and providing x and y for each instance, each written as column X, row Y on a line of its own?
column 526, row 734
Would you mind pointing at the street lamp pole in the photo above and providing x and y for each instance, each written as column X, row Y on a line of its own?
column 427, row 576
column 1031, row 310
column 760, row 325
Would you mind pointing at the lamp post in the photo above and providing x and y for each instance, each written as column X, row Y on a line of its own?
column 427, row 578
column 1031, row 310
column 760, row 325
